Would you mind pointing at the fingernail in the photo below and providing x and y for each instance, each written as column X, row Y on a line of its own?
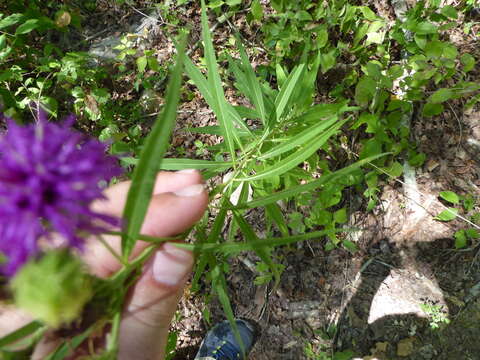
column 186, row 171
column 171, row 265
column 190, row 191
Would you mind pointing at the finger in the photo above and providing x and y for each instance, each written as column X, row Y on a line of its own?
column 154, row 299
column 45, row 346
column 169, row 214
column 166, row 181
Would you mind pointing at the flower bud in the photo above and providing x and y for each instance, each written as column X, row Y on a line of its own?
column 53, row 288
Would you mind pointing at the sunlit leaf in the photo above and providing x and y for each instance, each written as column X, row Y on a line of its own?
column 450, row 196
column 447, row 215
column 295, row 190
column 156, row 144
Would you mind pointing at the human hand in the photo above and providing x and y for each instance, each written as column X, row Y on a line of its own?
column 178, row 201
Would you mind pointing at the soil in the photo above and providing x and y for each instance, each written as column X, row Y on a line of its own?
column 373, row 301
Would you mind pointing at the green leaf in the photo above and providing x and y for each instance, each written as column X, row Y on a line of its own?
column 255, row 91
column 447, row 215
column 197, row 77
column 3, row 42
column 153, row 64
column 450, row 196
column 291, row 161
column 376, row 37
column 10, row 20
column 450, row 51
column 349, row 245
column 472, row 233
column 141, row 63
column 432, row 109
column 66, row 347
column 274, row 212
column 20, row 333
column 460, row 239
column 181, row 164
column 328, row 60
column 300, row 139
column 252, row 238
column 212, row 130
column 295, row 190
column 27, row 26
column 365, row 90
column 449, row 11
column 284, row 97
column 467, row 60
column 232, row 248
column 425, row 28
column 246, row 113
column 417, row 159
column 213, row 237
column 343, row 355
column 156, row 144
column 434, row 48
column 340, row 216
column 221, row 108
column 368, row 13
column 303, row 15
column 200, row 81
column 257, row 10
column 394, row 170
column 441, row 95
column 281, row 75
column 219, row 285
column 322, row 37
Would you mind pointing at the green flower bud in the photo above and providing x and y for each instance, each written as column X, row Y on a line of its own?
column 53, row 289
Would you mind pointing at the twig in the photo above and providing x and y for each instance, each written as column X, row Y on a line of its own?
column 459, row 127
column 91, row 37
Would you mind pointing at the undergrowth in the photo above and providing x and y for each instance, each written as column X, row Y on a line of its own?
column 329, row 112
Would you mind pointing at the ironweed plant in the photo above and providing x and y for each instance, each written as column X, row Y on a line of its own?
column 274, row 155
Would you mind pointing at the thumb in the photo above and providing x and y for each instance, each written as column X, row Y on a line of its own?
column 154, row 299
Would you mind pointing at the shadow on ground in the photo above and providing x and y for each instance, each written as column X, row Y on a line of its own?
column 385, row 319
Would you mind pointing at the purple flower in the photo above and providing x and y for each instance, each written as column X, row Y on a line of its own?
column 49, row 175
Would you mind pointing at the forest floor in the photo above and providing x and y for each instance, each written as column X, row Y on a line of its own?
column 384, row 301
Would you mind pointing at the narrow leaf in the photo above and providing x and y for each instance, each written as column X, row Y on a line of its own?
column 247, row 113
column 213, row 237
column 219, row 285
column 181, row 164
column 253, row 84
column 214, row 130
column 232, row 248
column 27, row 27
column 283, row 98
column 253, row 239
column 222, row 111
column 299, row 139
column 66, row 348
column 295, row 190
column 18, row 334
column 205, row 89
column 291, row 161
column 273, row 212
column 10, row 20
column 156, row 144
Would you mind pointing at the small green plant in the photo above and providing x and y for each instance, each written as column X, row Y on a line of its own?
column 436, row 315
column 467, row 203
column 323, row 352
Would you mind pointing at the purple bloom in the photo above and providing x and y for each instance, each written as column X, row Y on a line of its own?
column 49, row 175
